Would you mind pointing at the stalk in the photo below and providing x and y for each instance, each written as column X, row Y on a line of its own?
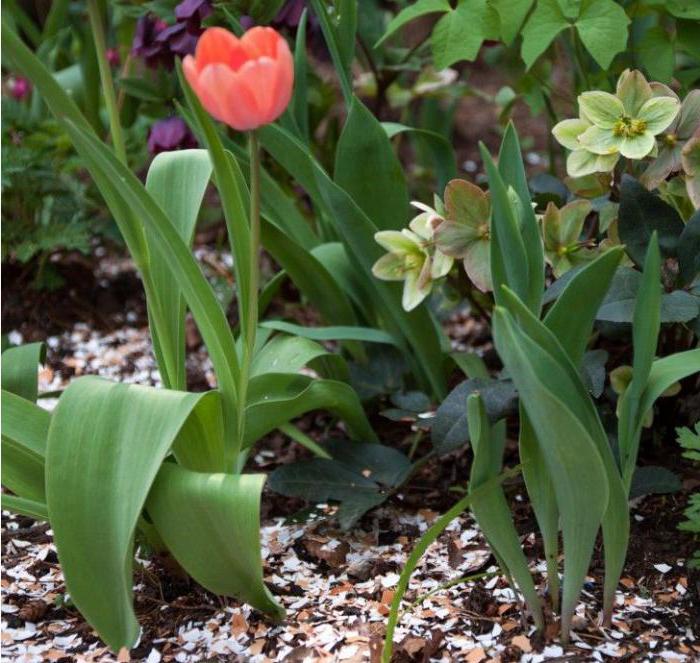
column 115, row 127
column 250, row 324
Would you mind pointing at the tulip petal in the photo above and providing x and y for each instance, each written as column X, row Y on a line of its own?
column 261, row 42
column 229, row 101
column 601, row 108
column 219, row 46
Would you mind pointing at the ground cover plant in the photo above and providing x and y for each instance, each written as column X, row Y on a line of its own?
column 319, row 143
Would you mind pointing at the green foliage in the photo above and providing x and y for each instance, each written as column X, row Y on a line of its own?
column 690, row 441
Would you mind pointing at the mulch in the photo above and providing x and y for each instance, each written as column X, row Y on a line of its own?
column 337, row 586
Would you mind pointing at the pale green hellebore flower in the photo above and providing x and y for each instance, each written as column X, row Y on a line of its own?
column 412, row 257
column 561, row 230
column 466, row 231
column 609, row 125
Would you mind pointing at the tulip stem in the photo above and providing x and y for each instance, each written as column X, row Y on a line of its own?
column 250, row 324
column 98, row 33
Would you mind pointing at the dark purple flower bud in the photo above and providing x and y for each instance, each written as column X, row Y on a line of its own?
column 113, row 57
column 19, row 87
column 146, row 44
column 170, row 134
column 193, row 12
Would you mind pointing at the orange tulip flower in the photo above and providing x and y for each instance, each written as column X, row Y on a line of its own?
column 244, row 82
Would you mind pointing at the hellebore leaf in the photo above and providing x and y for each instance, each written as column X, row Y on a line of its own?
column 450, row 428
column 654, row 480
column 641, row 214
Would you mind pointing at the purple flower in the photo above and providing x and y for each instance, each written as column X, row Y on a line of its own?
column 178, row 40
column 170, row 134
column 193, row 12
column 146, row 44
column 19, row 87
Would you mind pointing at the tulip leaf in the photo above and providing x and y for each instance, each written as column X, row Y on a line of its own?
column 275, row 398
column 366, row 334
column 367, row 168
column 20, row 369
column 99, row 470
column 211, row 524
column 491, row 508
column 24, row 431
column 551, row 400
column 177, row 181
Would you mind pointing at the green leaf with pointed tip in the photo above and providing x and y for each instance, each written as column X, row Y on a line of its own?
column 177, row 181
column 512, row 170
column 25, row 507
column 20, row 369
column 24, row 431
column 509, row 260
column 367, row 168
column 645, row 334
column 577, row 470
column 572, row 316
column 211, row 524
column 491, row 509
column 276, row 398
column 411, row 13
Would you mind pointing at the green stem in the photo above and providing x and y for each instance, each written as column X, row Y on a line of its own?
column 98, row 33
column 249, row 328
column 290, row 430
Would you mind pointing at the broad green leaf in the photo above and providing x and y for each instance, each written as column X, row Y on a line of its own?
column 656, row 54
column 366, row 334
column 450, row 429
column 512, row 170
column 643, row 213
column 544, row 24
column 20, row 369
column 367, row 168
column 491, row 509
column 99, row 470
column 576, row 468
column 654, row 480
column 512, row 14
column 410, row 13
column 211, row 524
column 276, row 398
column 603, row 27
column 177, row 181
column 24, row 431
column 509, row 257
column 471, row 364
column 458, row 34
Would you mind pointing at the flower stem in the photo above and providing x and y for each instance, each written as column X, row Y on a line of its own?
column 250, row 323
column 115, row 127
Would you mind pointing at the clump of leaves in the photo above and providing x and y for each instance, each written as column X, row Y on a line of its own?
column 690, row 441
column 45, row 206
